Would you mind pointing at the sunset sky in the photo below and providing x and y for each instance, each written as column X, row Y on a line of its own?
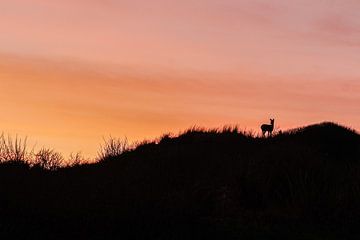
column 75, row 71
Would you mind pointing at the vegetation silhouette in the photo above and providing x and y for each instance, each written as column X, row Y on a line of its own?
column 224, row 184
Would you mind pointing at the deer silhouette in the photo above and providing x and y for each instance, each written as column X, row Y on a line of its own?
column 268, row 127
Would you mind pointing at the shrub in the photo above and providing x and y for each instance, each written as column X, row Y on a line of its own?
column 48, row 159
column 76, row 159
column 14, row 150
column 112, row 147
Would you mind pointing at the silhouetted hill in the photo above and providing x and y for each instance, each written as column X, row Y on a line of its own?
column 225, row 184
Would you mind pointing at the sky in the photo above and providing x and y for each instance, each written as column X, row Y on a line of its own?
column 73, row 72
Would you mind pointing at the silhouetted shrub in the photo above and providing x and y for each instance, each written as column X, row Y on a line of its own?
column 14, row 150
column 48, row 159
column 112, row 148
column 76, row 159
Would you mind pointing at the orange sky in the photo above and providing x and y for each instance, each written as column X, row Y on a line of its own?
column 72, row 72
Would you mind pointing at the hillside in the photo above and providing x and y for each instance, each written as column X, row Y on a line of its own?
column 303, row 184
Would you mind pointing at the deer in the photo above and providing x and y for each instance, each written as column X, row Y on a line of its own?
column 268, row 128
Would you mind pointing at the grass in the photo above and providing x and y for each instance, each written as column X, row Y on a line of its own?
column 202, row 183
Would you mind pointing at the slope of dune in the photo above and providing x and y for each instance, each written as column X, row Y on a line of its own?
column 203, row 183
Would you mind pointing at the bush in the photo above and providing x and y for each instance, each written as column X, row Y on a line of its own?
column 48, row 159
column 76, row 159
column 13, row 150
column 112, row 148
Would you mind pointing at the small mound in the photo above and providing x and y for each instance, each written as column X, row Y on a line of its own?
column 328, row 127
column 325, row 130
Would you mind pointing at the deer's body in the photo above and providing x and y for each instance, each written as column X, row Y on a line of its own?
column 268, row 128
